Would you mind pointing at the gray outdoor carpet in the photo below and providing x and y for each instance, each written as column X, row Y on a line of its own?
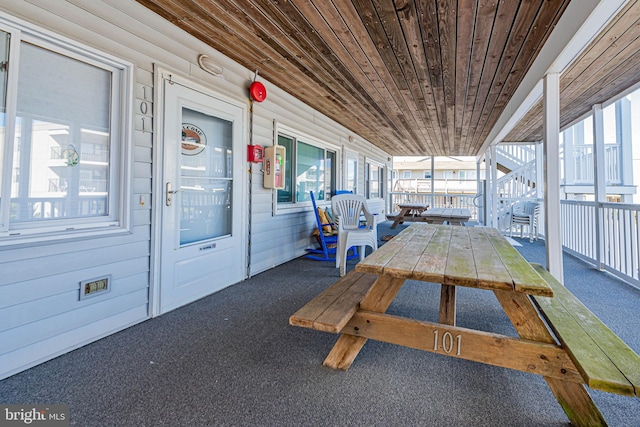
column 232, row 359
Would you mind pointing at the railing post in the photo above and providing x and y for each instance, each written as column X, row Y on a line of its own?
column 539, row 175
column 624, row 140
column 599, row 184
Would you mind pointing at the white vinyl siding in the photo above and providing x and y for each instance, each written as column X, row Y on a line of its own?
column 39, row 287
column 41, row 314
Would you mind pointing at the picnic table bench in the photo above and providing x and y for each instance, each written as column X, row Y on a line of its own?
column 332, row 309
column 605, row 362
column 571, row 347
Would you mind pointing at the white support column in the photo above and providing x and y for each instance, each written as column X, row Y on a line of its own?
column 553, row 228
column 488, row 188
column 433, row 182
column 624, row 138
column 479, row 191
column 599, row 184
column 493, row 214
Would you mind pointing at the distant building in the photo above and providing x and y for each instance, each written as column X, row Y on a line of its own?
column 451, row 175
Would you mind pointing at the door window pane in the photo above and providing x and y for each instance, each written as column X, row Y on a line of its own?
column 206, row 173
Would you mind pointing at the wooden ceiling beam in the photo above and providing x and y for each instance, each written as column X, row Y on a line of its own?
column 300, row 36
column 427, row 77
column 481, row 37
column 409, row 21
column 467, row 10
column 329, row 24
column 383, row 29
column 607, row 67
column 447, row 15
column 427, row 14
column 530, row 28
column 502, row 28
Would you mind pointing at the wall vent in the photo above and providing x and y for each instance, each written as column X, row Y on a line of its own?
column 95, row 287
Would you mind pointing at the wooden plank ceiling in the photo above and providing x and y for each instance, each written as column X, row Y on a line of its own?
column 425, row 77
column 607, row 67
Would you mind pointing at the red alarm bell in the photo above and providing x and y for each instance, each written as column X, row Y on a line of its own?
column 258, row 92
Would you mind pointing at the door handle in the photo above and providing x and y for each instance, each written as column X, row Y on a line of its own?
column 170, row 193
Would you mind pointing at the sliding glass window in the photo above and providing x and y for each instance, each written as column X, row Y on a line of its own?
column 310, row 166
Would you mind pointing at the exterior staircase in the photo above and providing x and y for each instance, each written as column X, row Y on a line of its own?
column 517, row 162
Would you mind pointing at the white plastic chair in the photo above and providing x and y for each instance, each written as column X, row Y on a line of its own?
column 347, row 210
column 525, row 213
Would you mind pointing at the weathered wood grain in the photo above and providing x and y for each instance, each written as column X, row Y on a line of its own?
column 573, row 397
column 485, row 347
column 605, row 361
column 332, row 308
column 604, row 69
column 447, row 305
column 423, row 77
column 571, row 348
column 524, row 279
column 378, row 299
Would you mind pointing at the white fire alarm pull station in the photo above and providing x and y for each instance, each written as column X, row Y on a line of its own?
column 274, row 167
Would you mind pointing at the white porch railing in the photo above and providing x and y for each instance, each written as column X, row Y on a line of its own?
column 46, row 208
column 619, row 251
column 583, row 164
column 519, row 183
column 519, row 154
column 423, row 185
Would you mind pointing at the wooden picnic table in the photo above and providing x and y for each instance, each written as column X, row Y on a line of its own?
column 422, row 213
column 565, row 353
column 454, row 216
column 409, row 212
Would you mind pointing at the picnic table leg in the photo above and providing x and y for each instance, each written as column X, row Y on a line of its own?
column 378, row 299
column 344, row 352
column 448, row 305
column 399, row 218
column 572, row 397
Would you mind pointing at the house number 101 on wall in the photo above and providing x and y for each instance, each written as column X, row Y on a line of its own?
column 448, row 343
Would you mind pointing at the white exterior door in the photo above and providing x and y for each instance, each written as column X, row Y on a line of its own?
column 202, row 242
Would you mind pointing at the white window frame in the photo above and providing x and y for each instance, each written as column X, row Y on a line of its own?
column 118, row 220
column 350, row 155
column 382, row 179
column 298, row 136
